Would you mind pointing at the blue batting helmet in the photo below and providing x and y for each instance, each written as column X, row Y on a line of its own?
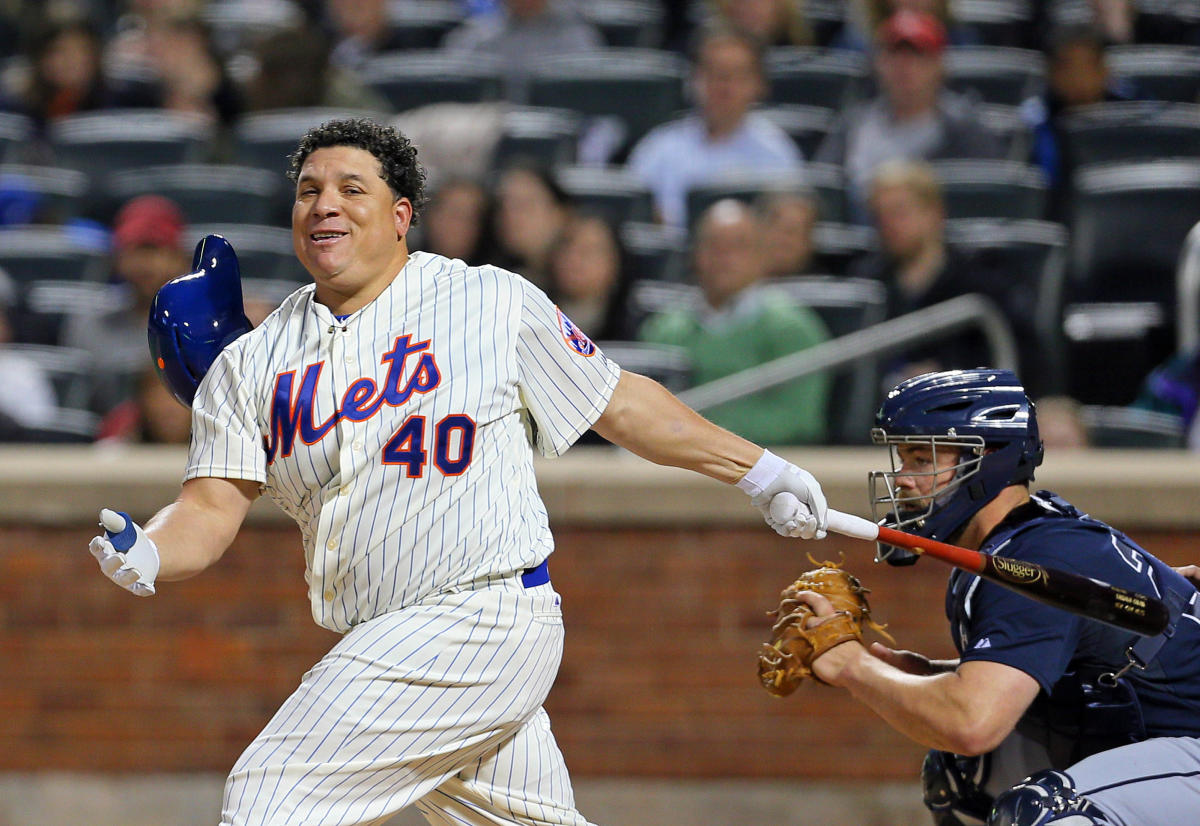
column 984, row 416
column 193, row 317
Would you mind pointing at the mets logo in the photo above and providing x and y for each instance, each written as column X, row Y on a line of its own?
column 575, row 338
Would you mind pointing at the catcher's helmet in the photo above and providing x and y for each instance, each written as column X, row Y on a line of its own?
column 985, row 416
column 194, row 316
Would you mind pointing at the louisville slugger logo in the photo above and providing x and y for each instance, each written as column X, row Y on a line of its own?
column 292, row 411
column 1015, row 571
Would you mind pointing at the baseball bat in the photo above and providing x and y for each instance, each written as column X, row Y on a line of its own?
column 1091, row 598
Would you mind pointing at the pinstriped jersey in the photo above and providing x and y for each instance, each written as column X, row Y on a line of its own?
column 399, row 438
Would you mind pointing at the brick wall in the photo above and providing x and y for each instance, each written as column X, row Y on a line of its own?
column 658, row 677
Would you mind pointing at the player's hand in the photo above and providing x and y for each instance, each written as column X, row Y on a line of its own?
column 126, row 555
column 789, row 498
column 1191, row 572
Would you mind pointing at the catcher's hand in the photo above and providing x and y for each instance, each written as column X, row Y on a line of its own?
column 799, row 636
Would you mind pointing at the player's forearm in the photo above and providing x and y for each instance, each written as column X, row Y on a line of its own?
column 941, row 711
column 646, row 419
column 195, row 530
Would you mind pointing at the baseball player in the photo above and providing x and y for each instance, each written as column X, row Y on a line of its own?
column 1104, row 725
column 391, row 409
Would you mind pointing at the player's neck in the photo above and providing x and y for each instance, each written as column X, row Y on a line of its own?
column 991, row 514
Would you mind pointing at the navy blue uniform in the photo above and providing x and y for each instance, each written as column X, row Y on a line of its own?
column 1078, row 712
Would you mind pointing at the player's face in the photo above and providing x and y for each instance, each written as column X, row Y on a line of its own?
column 347, row 228
column 923, row 472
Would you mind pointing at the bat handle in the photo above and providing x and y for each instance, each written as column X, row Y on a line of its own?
column 848, row 524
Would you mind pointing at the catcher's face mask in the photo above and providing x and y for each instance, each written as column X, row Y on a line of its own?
column 927, row 472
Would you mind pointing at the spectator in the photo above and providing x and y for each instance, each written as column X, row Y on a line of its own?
column 150, row 416
column 532, row 210
column 916, row 265
column 457, row 222
column 913, row 116
column 770, row 22
column 1060, row 423
column 743, row 323
column 1174, row 387
column 789, row 219
column 294, row 71
column 27, row 398
column 1077, row 75
column 362, row 29
column 63, row 75
column 147, row 252
column 864, row 18
column 721, row 135
column 588, row 278
column 191, row 75
column 523, row 32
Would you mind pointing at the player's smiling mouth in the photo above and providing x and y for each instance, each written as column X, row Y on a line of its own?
column 326, row 237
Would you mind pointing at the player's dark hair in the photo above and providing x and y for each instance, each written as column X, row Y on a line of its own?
column 396, row 155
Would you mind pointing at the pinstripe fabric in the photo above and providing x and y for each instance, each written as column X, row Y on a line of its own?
column 376, row 538
column 401, row 441
column 441, row 700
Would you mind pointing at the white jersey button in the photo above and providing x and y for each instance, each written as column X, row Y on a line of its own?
column 329, row 596
column 331, row 544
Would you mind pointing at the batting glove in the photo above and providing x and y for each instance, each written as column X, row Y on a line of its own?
column 789, row 498
column 126, row 555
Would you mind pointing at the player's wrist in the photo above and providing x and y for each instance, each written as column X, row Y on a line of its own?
column 761, row 474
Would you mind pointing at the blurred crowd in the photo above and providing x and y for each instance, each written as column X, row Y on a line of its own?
column 704, row 186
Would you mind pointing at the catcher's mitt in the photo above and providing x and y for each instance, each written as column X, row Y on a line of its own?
column 786, row 661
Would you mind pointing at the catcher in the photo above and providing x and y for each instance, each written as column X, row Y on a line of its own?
column 1046, row 717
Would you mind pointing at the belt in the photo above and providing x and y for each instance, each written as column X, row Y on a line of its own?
column 537, row 575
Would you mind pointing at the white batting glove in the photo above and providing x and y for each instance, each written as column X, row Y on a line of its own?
column 789, row 498
column 126, row 555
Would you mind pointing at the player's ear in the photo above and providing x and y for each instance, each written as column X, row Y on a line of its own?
column 402, row 214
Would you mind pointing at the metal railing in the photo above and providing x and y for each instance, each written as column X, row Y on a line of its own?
column 930, row 323
column 1187, row 322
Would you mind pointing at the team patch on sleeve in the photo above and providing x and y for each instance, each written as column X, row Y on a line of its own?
column 575, row 338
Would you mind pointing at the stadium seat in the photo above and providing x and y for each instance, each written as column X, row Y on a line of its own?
column 237, row 26
column 266, row 139
column 408, row 80
column 655, row 252
column 830, row 79
column 1158, row 71
column 807, row 125
column 264, row 252
column 995, row 74
column 744, row 185
column 101, row 143
column 207, row 193
column 1010, row 127
column 34, row 252
column 997, row 22
column 1128, row 427
column 611, row 191
column 626, row 23
column 992, row 189
column 57, row 195
column 65, row 426
column 1135, row 130
column 668, row 365
column 70, row 371
column 837, row 245
column 44, row 307
column 636, row 89
column 1025, row 262
column 422, row 24
column 15, row 133
column 1129, row 224
column 825, row 181
column 549, row 136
